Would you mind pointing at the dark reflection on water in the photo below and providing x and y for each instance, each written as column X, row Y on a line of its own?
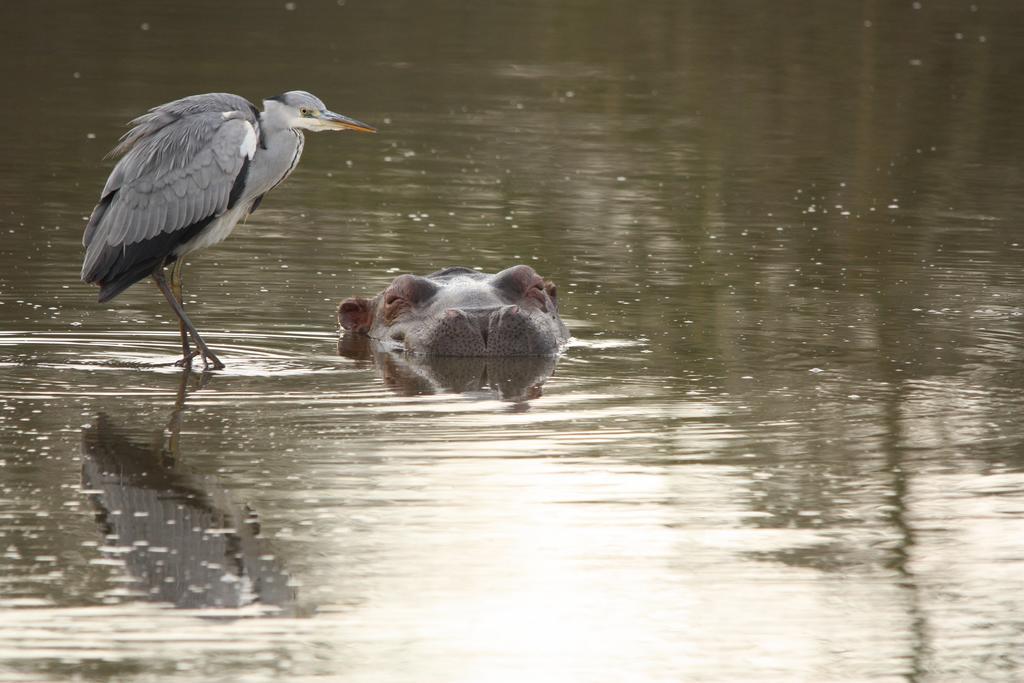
column 517, row 379
column 785, row 443
column 177, row 533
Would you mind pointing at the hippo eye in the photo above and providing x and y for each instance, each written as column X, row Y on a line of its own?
column 538, row 294
column 394, row 307
column 410, row 289
column 518, row 280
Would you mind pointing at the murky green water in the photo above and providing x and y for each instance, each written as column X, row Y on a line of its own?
column 785, row 443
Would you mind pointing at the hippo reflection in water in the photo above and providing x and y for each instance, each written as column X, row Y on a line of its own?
column 461, row 312
column 508, row 378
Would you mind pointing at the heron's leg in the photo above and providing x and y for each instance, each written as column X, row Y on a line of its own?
column 208, row 356
column 186, row 352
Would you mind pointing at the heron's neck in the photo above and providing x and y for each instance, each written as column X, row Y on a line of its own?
column 272, row 123
column 279, row 152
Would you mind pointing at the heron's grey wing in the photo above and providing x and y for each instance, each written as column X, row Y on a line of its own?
column 170, row 185
column 158, row 117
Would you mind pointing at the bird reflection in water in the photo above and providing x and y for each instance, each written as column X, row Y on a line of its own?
column 515, row 378
column 182, row 538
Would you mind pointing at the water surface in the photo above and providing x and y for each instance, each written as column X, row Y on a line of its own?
column 784, row 443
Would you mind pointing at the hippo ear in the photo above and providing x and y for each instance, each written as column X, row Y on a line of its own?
column 552, row 291
column 355, row 314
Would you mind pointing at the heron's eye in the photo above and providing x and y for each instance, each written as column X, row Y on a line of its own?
column 306, row 111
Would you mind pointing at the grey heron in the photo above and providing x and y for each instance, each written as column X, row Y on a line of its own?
column 190, row 170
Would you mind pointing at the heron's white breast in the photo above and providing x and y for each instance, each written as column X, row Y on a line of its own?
column 217, row 231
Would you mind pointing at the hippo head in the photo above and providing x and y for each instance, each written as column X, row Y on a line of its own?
column 461, row 312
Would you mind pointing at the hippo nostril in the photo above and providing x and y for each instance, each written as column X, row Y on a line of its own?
column 398, row 336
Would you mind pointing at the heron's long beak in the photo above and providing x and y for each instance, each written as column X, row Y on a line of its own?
column 338, row 122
